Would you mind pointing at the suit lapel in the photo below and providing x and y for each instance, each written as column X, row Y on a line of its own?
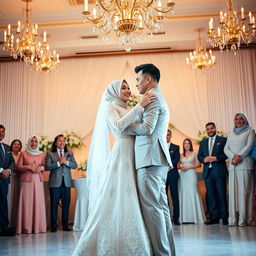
column 215, row 144
column 207, row 146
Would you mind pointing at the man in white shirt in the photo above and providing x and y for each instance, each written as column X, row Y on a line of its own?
column 59, row 161
column 211, row 155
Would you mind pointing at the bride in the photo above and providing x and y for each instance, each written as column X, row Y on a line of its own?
column 115, row 225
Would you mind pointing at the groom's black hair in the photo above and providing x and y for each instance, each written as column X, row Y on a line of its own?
column 149, row 69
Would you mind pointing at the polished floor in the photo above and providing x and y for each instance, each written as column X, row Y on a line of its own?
column 194, row 240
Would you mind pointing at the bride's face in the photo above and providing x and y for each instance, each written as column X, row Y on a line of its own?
column 125, row 92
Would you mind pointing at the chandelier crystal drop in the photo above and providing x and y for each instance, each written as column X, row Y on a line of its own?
column 127, row 22
column 26, row 46
column 231, row 32
column 200, row 58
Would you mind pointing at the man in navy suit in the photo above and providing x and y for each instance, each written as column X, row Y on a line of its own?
column 211, row 154
column 7, row 164
column 173, row 177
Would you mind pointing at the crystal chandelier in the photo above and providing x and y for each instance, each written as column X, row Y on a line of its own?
column 45, row 60
column 127, row 22
column 231, row 32
column 200, row 58
column 26, row 46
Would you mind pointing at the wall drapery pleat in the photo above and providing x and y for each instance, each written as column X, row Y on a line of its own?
column 67, row 99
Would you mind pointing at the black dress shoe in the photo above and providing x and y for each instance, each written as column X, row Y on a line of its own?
column 54, row 230
column 8, row 232
column 66, row 229
column 212, row 221
column 224, row 222
column 176, row 222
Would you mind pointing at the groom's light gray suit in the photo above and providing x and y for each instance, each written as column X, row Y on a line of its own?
column 152, row 160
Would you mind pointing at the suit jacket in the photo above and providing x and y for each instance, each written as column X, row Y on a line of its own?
column 55, row 178
column 8, row 161
column 242, row 145
column 150, row 143
column 175, row 157
column 219, row 168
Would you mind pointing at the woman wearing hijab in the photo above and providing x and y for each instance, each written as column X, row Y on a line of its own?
column 115, row 225
column 31, row 216
column 238, row 150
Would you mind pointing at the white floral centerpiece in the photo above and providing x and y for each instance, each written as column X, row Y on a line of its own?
column 73, row 140
column 45, row 143
column 134, row 100
column 82, row 166
column 203, row 135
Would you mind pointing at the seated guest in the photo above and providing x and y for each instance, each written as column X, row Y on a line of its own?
column 7, row 164
column 14, row 188
column 191, row 207
column 31, row 216
column 173, row 177
column 238, row 149
column 59, row 161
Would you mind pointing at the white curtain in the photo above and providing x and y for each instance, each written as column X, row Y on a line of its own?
column 67, row 99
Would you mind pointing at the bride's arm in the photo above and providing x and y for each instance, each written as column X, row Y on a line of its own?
column 121, row 123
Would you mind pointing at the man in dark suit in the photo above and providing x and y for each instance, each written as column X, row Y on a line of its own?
column 7, row 164
column 59, row 161
column 211, row 154
column 173, row 177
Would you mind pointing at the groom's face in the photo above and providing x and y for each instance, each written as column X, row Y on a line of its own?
column 141, row 82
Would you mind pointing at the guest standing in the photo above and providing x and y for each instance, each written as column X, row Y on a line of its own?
column 59, row 161
column 211, row 154
column 238, row 149
column 191, row 207
column 14, row 187
column 173, row 177
column 7, row 164
column 31, row 216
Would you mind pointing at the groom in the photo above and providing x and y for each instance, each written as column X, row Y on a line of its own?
column 152, row 160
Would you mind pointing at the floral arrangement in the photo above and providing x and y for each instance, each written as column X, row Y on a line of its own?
column 73, row 140
column 203, row 135
column 45, row 143
column 134, row 100
column 82, row 166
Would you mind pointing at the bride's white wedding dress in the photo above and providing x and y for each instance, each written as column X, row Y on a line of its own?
column 115, row 225
column 191, row 207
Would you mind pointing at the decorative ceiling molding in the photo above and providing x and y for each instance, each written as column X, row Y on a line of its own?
column 80, row 22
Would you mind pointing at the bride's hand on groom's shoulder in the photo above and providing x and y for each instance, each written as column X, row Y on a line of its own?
column 147, row 99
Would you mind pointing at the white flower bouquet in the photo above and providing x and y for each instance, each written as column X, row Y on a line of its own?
column 82, row 166
column 73, row 140
column 45, row 143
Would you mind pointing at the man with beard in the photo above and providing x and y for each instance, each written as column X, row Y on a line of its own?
column 211, row 155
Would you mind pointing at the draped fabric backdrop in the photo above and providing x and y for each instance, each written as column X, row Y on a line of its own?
column 67, row 99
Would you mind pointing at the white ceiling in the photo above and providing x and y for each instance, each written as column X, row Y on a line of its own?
column 64, row 23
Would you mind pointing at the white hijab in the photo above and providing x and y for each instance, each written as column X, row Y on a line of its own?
column 100, row 146
column 31, row 151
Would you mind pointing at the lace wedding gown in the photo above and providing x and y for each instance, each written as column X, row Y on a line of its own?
column 115, row 225
column 191, row 207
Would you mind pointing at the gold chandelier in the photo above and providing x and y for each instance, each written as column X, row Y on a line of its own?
column 127, row 22
column 26, row 46
column 46, row 61
column 200, row 58
column 231, row 32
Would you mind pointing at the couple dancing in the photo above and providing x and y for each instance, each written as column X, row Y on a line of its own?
column 117, row 213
